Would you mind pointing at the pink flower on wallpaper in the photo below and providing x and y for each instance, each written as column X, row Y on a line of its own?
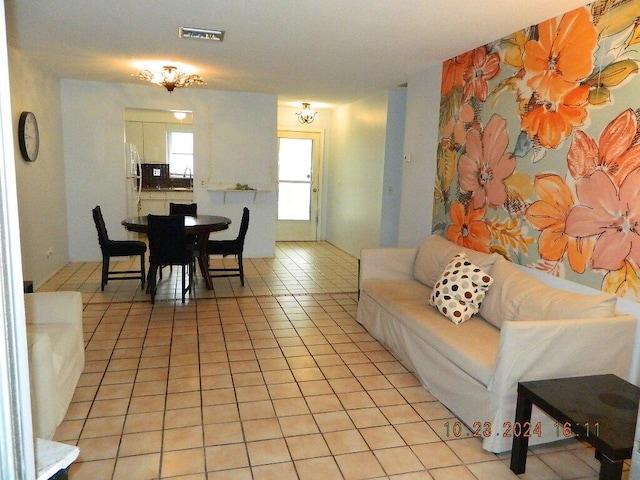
column 485, row 164
column 456, row 127
column 482, row 69
column 611, row 214
column 617, row 153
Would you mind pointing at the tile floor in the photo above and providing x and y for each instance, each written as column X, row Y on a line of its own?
column 275, row 380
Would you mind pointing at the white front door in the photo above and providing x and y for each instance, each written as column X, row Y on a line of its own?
column 298, row 185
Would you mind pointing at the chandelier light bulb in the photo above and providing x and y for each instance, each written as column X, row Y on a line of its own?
column 306, row 115
column 170, row 78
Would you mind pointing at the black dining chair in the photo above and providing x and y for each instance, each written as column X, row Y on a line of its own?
column 183, row 209
column 117, row 248
column 168, row 246
column 231, row 247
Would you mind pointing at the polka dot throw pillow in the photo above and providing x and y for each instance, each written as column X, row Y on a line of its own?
column 460, row 289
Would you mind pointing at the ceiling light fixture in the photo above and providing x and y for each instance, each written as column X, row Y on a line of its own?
column 201, row 33
column 170, row 78
column 306, row 115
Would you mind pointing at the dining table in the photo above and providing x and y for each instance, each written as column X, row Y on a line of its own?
column 199, row 225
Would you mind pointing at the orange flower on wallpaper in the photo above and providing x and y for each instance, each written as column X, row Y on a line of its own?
column 552, row 122
column 617, row 153
column 468, row 228
column 452, row 71
column 485, row 164
column 483, row 68
column 562, row 56
column 549, row 215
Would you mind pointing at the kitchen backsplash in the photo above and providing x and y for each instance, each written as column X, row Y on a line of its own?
column 156, row 176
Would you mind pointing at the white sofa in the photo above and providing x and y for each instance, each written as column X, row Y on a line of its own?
column 525, row 330
column 56, row 355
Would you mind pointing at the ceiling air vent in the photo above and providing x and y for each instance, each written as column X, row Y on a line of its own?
column 201, row 33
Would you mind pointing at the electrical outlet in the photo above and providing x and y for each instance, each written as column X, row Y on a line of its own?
column 49, row 252
column 203, row 183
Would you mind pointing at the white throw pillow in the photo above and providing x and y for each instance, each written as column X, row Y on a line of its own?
column 460, row 289
column 436, row 251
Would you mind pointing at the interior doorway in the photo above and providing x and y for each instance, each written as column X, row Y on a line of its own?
column 298, row 185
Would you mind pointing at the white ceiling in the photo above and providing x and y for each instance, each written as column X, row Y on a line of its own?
column 320, row 51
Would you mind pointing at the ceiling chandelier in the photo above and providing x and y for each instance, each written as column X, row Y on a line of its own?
column 170, row 78
column 306, row 115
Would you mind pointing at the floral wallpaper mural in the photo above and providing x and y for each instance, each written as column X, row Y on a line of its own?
column 539, row 147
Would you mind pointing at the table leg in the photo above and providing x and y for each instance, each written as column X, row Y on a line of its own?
column 610, row 469
column 521, row 442
column 203, row 261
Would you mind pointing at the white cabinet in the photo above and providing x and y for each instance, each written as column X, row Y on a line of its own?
column 157, row 202
column 150, row 139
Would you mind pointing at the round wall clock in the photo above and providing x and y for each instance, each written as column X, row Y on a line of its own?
column 28, row 136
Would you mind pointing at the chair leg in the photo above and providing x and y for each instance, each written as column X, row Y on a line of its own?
column 142, row 271
column 183, row 285
column 105, row 272
column 241, row 269
column 153, row 271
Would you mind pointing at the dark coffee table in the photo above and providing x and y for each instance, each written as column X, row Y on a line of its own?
column 599, row 409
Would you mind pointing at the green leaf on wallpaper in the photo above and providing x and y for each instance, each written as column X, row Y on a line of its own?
column 523, row 145
column 599, row 96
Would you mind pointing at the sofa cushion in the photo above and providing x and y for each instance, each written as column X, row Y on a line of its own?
column 436, row 252
column 472, row 346
column 460, row 289
column 516, row 295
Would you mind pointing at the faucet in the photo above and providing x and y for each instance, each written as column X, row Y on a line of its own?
column 184, row 175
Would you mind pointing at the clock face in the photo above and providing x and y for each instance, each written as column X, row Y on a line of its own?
column 28, row 136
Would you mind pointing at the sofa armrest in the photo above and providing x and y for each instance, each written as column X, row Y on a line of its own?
column 53, row 307
column 542, row 349
column 387, row 263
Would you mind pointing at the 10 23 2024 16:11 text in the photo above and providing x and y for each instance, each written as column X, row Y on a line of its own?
column 516, row 429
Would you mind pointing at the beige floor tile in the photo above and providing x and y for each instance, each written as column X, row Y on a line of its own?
column 276, row 471
column 140, row 443
column 435, row 455
column 367, row 417
column 183, row 438
column 223, row 433
column 359, row 466
column 225, row 457
column 183, row 417
column 307, row 446
column 91, row 470
column 382, row 437
column 298, row 425
column 316, row 468
column 261, row 429
column 470, row 450
column 141, row 467
column 398, row 460
column 345, row 441
column 103, row 426
column 264, row 452
column 452, row 473
column 566, row 464
column 183, row 462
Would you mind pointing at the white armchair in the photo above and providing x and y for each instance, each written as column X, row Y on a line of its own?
column 56, row 355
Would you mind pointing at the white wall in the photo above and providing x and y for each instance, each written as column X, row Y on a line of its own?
column 234, row 141
column 421, row 143
column 356, row 168
column 41, row 192
column 392, row 177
